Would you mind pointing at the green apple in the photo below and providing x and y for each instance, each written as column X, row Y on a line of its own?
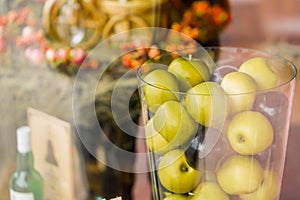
column 239, row 174
column 161, row 86
column 263, row 71
column 268, row 190
column 249, row 133
column 209, row 191
column 155, row 141
column 189, row 72
column 241, row 89
column 207, row 104
column 174, row 123
column 175, row 174
column 172, row 196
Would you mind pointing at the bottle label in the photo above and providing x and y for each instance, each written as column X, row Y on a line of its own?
column 21, row 196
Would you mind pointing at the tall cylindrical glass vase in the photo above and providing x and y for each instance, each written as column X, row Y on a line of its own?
column 217, row 126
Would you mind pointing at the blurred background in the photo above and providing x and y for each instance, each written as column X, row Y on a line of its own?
column 33, row 31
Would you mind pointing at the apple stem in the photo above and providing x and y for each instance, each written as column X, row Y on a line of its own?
column 184, row 168
column 241, row 139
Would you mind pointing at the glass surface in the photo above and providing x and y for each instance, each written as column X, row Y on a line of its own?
column 219, row 140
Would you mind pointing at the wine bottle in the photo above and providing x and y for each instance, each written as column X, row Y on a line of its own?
column 26, row 183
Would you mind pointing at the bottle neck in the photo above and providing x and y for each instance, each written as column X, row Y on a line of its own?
column 25, row 161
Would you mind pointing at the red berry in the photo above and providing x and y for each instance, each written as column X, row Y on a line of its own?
column 77, row 55
column 50, row 55
column 61, row 54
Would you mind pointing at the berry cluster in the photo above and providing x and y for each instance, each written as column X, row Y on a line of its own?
column 203, row 21
column 20, row 28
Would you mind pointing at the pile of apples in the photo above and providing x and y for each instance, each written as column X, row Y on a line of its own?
column 182, row 97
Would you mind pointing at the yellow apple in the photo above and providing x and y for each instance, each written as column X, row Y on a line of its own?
column 175, row 174
column 263, row 71
column 171, row 196
column 249, row 133
column 208, row 175
column 173, row 123
column 239, row 174
column 155, row 141
column 268, row 190
column 207, row 104
column 160, row 86
column 189, row 72
column 209, row 191
column 241, row 89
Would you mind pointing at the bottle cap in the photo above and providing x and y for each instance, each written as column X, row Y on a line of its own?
column 23, row 139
